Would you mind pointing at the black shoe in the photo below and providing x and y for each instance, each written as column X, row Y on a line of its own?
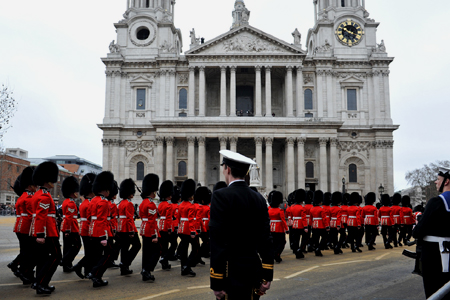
column 165, row 264
column 299, row 255
column 77, row 270
column 357, row 249
column 186, row 271
column 51, row 288
column 99, row 282
column 337, row 251
column 33, row 285
column 371, row 247
column 278, row 259
column 200, row 261
column 125, row 271
column 400, row 244
column 113, row 265
column 67, row 269
column 41, row 290
column 147, row 276
column 318, row 253
column 13, row 267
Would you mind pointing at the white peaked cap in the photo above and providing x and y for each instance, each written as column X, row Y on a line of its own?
column 239, row 158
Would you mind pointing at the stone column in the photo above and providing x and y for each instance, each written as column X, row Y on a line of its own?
column 258, row 151
column 169, row 158
column 380, row 169
column 377, row 96
column 202, row 92
column 159, row 159
column 201, row 160
column 301, row 162
column 162, row 93
column 290, row 95
column 269, row 164
column 117, row 86
column 330, row 100
column 268, row 92
column 315, row 10
column 233, row 143
column 109, row 100
column 123, row 89
column 223, row 146
column 387, row 100
column 106, row 153
column 232, row 91
column 290, row 141
column 323, row 183
column 258, row 91
column 173, row 88
column 300, row 94
column 370, row 95
column 320, row 93
column 334, row 164
column 223, row 91
column 191, row 100
column 191, row 157
column 364, row 3
column 390, row 166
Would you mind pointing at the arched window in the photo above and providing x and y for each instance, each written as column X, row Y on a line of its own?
column 182, row 168
column 182, row 99
column 140, row 171
column 309, row 170
column 352, row 173
column 308, row 99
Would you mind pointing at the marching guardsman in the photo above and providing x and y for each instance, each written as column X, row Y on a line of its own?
column 320, row 225
column 308, row 205
column 45, row 230
column 165, row 221
column 290, row 202
column 344, row 218
column 353, row 221
column 397, row 217
column 174, row 235
column 148, row 213
column 370, row 215
column 408, row 220
column 326, row 207
column 335, row 222
column 278, row 226
column 69, row 227
column 85, row 220
column 127, row 229
column 187, row 228
column 386, row 221
column 114, row 223
column 205, row 198
column 100, row 229
column 14, row 265
column 299, row 224
column 194, row 256
column 433, row 230
column 201, row 194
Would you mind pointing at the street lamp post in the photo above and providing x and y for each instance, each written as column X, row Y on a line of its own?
column 381, row 190
column 307, row 187
column 343, row 185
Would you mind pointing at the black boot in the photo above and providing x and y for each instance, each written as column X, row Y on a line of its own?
column 42, row 290
column 299, row 254
column 337, row 251
column 77, row 270
column 318, row 252
column 98, row 282
column 147, row 276
column 67, row 269
column 165, row 264
column 187, row 271
column 125, row 270
column 371, row 247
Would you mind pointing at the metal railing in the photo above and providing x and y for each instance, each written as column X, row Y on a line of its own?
column 441, row 293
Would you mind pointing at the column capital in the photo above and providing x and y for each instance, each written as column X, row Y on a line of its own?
column 163, row 72
column 170, row 140
column 172, row 72
column 191, row 68
column 233, row 139
column 159, row 140
column 290, row 140
column 269, row 140
column 223, row 68
column 223, row 140
column 201, row 68
column 301, row 140
column 334, row 142
column 299, row 68
column 258, row 140
column 191, row 140
column 268, row 68
column 233, row 68
column 258, row 68
column 289, row 68
column 201, row 140
column 323, row 142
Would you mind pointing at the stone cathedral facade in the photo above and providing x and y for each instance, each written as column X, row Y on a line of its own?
column 310, row 115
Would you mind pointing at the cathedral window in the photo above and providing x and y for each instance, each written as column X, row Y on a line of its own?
column 182, row 115
column 182, row 100
column 143, row 33
column 352, row 173
column 182, row 169
column 308, row 99
column 140, row 98
column 309, row 170
column 140, row 171
column 343, row 3
column 147, row 3
column 351, row 99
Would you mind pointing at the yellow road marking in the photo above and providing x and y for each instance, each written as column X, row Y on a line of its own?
column 381, row 256
column 298, row 273
column 345, row 262
column 198, row 287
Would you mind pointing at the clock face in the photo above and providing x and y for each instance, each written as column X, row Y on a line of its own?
column 349, row 33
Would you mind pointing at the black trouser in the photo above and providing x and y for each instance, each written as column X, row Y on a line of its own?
column 117, row 245
column 48, row 260
column 150, row 254
column 127, row 254
column 26, row 254
column 405, row 233
column 319, row 234
column 371, row 234
column 101, row 256
column 205, row 247
column 352, row 236
column 387, row 233
column 194, row 256
column 183, row 250
column 307, row 237
column 291, row 246
column 395, row 229
column 18, row 260
column 334, row 237
column 279, row 241
column 72, row 245
column 241, row 293
column 433, row 277
column 343, row 234
column 87, row 261
column 360, row 236
column 298, row 235
column 164, row 242
column 173, row 244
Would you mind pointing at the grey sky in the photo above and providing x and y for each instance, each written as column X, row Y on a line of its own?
column 51, row 50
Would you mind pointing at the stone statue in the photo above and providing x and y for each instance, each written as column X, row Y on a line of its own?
column 254, row 175
column 297, row 37
column 381, row 46
column 194, row 41
column 166, row 47
column 113, row 48
column 327, row 46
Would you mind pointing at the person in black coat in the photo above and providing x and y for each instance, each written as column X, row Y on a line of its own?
column 241, row 244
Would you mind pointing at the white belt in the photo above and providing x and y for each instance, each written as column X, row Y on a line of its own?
column 403, row 216
column 445, row 256
column 123, row 217
column 308, row 216
column 93, row 218
column 314, row 219
column 195, row 219
column 83, row 219
column 34, row 215
column 275, row 221
column 184, row 219
column 108, row 218
column 352, row 217
column 297, row 218
column 396, row 215
column 75, row 217
column 332, row 218
column 369, row 216
column 51, row 215
column 385, row 216
column 116, row 217
column 144, row 219
column 345, row 215
column 18, row 216
column 24, row 215
column 162, row 218
column 205, row 219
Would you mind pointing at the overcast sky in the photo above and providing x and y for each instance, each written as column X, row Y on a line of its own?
column 50, row 56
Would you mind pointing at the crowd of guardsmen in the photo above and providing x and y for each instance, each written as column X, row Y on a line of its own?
column 315, row 221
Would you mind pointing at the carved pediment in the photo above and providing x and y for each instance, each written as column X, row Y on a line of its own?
column 141, row 81
column 351, row 82
column 246, row 41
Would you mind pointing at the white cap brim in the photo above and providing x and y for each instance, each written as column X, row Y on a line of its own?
column 237, row 157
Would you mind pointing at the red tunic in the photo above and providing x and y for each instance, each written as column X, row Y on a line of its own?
column 277, row 220
column 298, row 216
column 326, row 208
column 19, row 210
column 336, row 217
column 174, row 216
column 396, row 214
column 308, row 213
column 370, row 215
column 385, row 216
column 319, row 218
column 205, row 218
column 165, row 213
column 408, row 217
column 126, row 217
column 354, row 216
column 344, row 214
column 114, row 216
column 45, row 220
column 198, row 218
column 70, row 216
column 26, row 214
column 100, row 227
column 149, row 214
column 85, row 217
column 361, row 218
column 186, row 216
column 289, row 215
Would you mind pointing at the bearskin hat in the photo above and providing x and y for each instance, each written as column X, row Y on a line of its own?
column 300, row 196
column 26, row 178
column 114, row 192
column 202, row 195
column 396, row 199
column 370, row 198
column 45, row 172
column 165, row 190
column 86, row 184
column 318, row 197
column 385, row 200
column 327, row 198
column 309, row 197
column 406, row 201
column 103, row 182
column 354, row 198
column 418, row 208
column 336, row 198
column 150, row 184
column 69, row 186
column 345, row 198
column 275, row 198
column 17, row 187
column 127, row 188
column 219, row 185
column 176, row 194
column 187, row 189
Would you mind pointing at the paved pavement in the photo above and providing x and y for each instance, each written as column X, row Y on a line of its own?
column 379, row 274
